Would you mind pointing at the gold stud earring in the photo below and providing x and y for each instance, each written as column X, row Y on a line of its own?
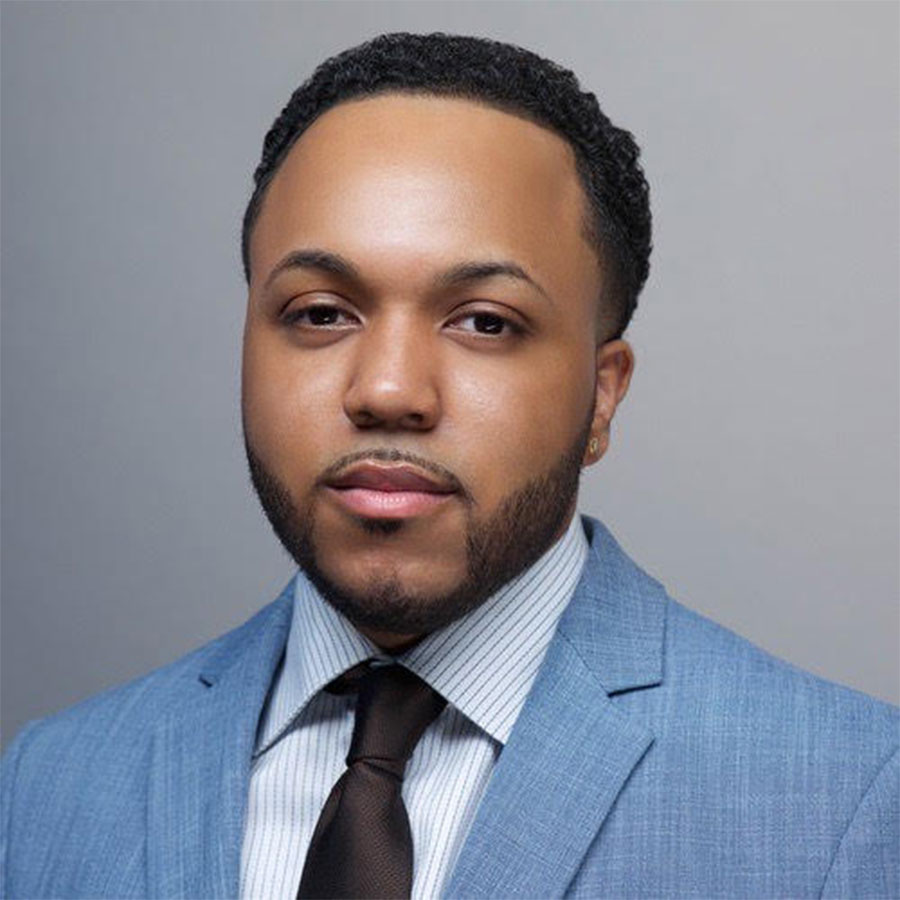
column 593, row 446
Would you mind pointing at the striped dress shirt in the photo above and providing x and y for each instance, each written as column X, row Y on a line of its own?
column 484, row 664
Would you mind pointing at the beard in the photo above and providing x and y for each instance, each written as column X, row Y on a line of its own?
column 522, row 529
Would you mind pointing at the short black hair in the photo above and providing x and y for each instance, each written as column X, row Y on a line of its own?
column 514, row 80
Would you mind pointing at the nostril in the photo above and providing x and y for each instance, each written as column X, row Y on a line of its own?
column 363, row 418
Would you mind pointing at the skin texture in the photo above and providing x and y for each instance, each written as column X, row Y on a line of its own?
column 494, row 384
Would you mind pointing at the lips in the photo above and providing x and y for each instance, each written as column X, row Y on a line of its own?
column 390, row 479
column 388, row 492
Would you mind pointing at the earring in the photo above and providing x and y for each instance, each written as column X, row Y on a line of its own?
column 593, row 446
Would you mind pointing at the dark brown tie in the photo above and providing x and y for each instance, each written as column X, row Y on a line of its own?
column 362, row 845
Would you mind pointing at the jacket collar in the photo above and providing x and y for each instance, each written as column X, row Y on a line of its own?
column 200, row 767
column 616, row 620
column 264, row 635
column 572, row 749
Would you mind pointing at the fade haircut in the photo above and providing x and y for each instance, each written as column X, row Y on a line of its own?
column 514, row 80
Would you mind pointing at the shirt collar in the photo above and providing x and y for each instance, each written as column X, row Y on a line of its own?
column 321, row 645
column 484, row 663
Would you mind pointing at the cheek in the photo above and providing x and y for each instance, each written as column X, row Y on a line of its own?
column 288, row 408
column 507, row 428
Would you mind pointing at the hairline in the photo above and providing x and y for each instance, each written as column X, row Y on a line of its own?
column 591, row 226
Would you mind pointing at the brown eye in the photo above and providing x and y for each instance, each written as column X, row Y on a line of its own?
column 322, row 315
column 318, row 316
column 486, row 323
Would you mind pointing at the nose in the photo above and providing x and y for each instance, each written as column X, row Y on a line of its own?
column 394, row 382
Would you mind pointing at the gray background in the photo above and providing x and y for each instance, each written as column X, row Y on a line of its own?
column 754, row 466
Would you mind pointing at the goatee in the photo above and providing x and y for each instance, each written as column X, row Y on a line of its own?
column 497, row 550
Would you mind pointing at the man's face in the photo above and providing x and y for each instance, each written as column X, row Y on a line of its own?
column 421, row 374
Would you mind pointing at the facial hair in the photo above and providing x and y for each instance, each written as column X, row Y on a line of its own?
column 498, row 549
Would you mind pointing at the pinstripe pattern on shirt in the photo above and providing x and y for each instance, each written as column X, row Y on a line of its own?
column 484, row 664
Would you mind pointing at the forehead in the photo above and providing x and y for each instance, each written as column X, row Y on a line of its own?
column 431, row 178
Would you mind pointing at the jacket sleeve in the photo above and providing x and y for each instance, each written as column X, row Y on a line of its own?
column 9, row 766
column 867, row 860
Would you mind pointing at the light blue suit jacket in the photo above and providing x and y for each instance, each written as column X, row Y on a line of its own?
column 658, row 755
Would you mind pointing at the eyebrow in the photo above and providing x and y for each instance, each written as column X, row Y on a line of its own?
column 459, row 274
column 317, row 260
column 477, row 271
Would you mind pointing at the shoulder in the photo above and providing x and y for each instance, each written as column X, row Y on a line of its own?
column 758, row 772
column 705, row 673
column 84, row 783
column 796, row 755
column 793, row 752
column 122, row 716
column 739, row 681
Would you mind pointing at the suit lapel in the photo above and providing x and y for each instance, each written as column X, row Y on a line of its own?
column 201, row 764
column 567, row 758
column 571, row 750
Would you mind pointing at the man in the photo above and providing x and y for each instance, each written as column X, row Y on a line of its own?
column 467, row 690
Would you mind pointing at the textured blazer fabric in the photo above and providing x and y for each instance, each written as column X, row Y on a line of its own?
column 658, row 755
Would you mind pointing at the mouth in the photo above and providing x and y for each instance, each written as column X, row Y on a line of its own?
column 388, row 491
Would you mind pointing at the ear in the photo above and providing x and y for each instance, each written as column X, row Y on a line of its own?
column 615, row 363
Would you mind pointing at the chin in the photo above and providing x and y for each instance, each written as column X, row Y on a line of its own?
column 424, row 555
column 373, row 574
column 400, row 596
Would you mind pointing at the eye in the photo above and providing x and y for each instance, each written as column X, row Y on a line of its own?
column 488, row 324
column 319, row 316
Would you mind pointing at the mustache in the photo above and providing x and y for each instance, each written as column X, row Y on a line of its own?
column 392, row 455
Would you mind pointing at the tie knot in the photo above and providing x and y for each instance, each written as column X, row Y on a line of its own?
column 393, row 710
